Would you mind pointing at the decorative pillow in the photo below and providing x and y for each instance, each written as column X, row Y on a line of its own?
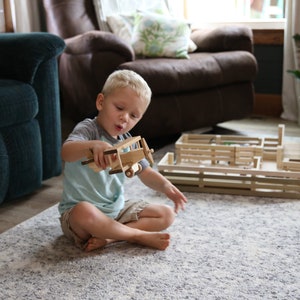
column 116, row 15
column 156, row 35
column 121, row 26
column 105, row 8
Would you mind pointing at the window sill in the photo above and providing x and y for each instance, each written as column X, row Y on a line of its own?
column 264, row 32
column 273, row 24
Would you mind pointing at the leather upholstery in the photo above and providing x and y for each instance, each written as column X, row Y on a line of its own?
column 214, row 85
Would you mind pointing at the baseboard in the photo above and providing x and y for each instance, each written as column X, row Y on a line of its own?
column 268, row 105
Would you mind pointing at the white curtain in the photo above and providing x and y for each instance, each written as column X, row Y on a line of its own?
column 25, row 15
column 291, row 86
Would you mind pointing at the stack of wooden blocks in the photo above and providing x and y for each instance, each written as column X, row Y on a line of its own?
column 232, row 164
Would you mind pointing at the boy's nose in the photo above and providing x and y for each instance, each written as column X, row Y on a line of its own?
column 124, row 117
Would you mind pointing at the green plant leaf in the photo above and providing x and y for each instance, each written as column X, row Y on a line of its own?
column 296, row 37
column 295, row 73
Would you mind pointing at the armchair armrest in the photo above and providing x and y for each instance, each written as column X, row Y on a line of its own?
column 94, row 41
column 226, row 38
column 21, row 54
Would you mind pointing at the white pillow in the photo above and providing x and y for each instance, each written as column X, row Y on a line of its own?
column 112, row 16
column 155, row 35
column 105, row 8
column 121, row 26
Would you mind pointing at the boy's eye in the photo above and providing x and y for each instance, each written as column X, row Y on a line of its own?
column 119, row 107
column 133, row 116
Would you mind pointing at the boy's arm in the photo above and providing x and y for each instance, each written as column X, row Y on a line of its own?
column 76, row 150
column 159, row 183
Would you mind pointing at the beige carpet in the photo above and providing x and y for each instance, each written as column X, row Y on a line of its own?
column 222, row 247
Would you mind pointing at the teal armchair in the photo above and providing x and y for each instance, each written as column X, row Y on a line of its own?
column 30, row 131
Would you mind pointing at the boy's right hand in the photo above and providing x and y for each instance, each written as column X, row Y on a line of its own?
column 97, row 150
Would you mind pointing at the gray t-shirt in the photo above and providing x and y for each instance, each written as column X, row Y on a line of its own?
column 81, row 183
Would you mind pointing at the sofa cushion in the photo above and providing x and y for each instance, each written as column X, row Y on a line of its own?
column 24, row 150
column 201, row 71
column 18, row 102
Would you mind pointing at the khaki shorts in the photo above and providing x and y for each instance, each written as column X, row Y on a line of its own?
column 129, row 213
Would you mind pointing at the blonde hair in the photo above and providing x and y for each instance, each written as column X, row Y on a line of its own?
column 127, row 78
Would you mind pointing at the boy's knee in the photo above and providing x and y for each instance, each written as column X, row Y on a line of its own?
column 168, row 215
column 85, row 212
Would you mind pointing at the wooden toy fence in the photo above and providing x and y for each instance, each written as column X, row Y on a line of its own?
column 233, row 165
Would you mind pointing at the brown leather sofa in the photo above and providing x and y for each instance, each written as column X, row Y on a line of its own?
column 214, row 85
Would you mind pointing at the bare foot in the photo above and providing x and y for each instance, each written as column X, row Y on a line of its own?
column 157, row 240
column 94, row 243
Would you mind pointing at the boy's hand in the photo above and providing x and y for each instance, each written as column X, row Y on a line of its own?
column 158, row 182
column 176, row 196
column 97, row 150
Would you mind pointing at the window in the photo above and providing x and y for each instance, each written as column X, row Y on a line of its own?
column 258, row 14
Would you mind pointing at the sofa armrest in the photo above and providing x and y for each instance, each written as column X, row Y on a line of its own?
column 22, row 53
column 226, row 38
column 97, row 41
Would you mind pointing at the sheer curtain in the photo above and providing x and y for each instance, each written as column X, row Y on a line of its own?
column 291, row 86
column 26, row 15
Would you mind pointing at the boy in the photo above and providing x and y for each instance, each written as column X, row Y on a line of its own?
column 93, row 210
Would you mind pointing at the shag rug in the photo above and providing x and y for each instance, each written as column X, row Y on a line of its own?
column 222, row 247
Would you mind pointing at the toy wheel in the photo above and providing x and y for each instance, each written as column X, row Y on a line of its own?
column 147, row 152
column 139, row 168
column 129, row 173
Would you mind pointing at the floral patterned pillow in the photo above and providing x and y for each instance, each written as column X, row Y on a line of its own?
column 122, row 26
column 156, row 35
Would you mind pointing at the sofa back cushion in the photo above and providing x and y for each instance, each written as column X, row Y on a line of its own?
column 70, row 17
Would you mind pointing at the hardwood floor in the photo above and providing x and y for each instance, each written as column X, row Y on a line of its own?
column 17, row 211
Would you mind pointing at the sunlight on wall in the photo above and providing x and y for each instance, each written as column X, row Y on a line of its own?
column 258, row 13
column 234, row 10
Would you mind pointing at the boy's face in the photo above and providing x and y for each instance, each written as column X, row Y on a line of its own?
column 120, row 110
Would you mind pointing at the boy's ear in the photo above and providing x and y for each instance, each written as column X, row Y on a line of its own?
column 99, row 101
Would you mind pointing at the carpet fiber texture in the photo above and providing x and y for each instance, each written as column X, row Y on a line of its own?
column 222, row 247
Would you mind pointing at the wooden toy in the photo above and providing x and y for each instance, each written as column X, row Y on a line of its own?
column 125, row 156
column 232, row 164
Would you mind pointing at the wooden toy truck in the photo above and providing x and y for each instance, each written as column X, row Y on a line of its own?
column 124, row 157
column 231, row 164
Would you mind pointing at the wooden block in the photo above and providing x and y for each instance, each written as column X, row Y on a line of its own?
column 236, row 165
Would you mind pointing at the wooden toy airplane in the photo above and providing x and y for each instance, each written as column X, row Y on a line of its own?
column 125, row 156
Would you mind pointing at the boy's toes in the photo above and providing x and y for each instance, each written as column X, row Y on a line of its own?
column 94, row 243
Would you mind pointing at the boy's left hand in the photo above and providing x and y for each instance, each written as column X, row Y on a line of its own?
column 158, row 182
column 176, row 196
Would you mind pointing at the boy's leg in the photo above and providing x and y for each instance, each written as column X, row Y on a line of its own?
column 154, row 217
column 87, row 221
column 140, row 215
